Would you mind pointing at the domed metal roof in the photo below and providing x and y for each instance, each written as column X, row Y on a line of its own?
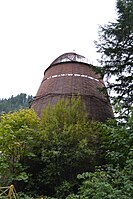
column 69, row 57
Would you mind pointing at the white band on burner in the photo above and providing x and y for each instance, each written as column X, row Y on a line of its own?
column 75, row 75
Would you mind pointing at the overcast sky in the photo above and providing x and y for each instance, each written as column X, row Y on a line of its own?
column 35, row 32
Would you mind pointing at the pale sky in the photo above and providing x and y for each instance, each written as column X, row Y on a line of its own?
column 35, row 32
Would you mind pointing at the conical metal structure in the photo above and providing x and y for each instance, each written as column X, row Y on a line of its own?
column 70, row 75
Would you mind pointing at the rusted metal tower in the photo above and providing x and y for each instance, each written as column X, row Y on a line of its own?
column 70, row 74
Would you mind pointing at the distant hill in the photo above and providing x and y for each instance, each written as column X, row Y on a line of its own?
column 15, row 103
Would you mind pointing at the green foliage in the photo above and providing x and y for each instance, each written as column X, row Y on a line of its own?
column 114, row 180
column 44, row 157
column 103, row 184
column 17, row 134
column 118, row 141
column 116, row 46
column 69, row 145
column 65, row 112
column 15, row 103
column 49, row 153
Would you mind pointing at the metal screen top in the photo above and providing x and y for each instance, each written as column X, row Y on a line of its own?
column 69, row 57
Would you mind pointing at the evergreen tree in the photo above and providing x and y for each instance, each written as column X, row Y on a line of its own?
column 116, row 45
column 15, row 103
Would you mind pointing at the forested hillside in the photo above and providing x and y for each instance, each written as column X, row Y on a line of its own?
column 15, row 103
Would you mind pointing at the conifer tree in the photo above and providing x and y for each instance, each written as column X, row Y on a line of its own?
column 116, row 46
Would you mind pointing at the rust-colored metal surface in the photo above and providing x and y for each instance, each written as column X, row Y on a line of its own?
column 64, row 78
